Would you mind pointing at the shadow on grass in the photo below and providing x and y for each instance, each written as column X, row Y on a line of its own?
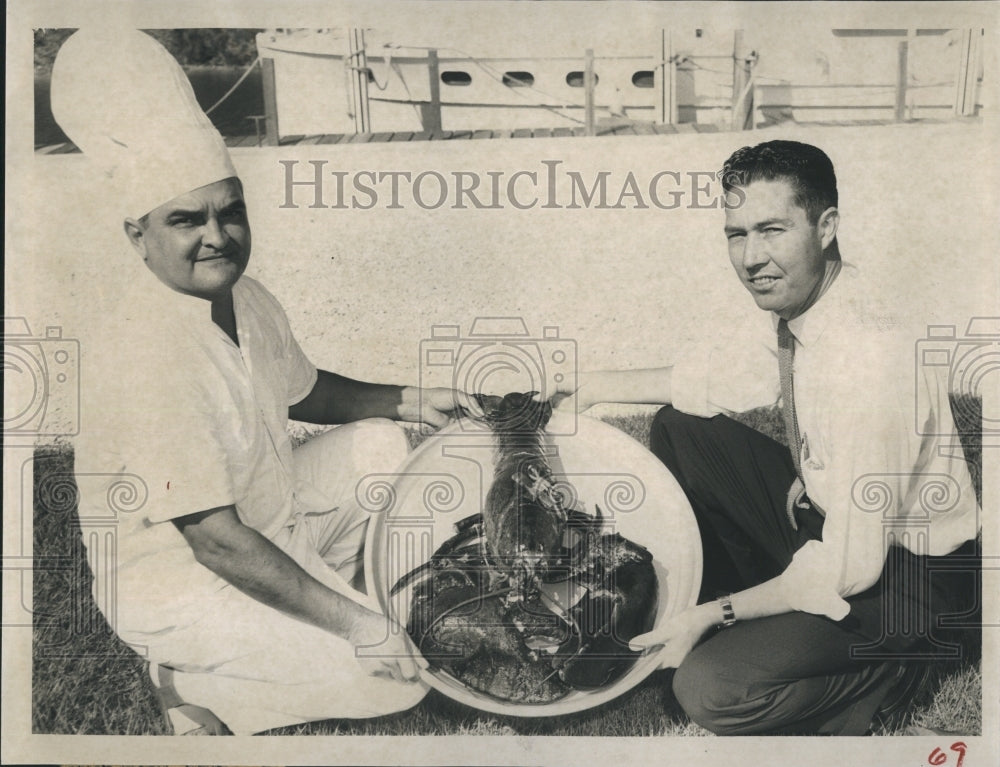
column 647, row 709
column 86, row 681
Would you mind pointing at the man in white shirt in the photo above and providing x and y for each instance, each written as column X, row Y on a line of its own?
column 826, row 555
column 237, row 560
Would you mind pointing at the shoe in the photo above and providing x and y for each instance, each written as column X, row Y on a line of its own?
column 911, row 679
column 182, row 718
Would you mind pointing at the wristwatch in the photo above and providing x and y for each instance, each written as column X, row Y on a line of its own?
column 728, row 616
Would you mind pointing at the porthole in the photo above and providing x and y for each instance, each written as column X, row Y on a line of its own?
column 643, row 78
column 518, row 79
column 456, row 77
column 576, row 79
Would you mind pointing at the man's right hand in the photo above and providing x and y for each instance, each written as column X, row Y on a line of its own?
column 254, row 565
column 582, row 391
column 565, row 395
column 382, row 648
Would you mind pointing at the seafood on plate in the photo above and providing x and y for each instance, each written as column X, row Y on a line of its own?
column 530, row 600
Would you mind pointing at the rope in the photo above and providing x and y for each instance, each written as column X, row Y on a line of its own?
column 229, row 93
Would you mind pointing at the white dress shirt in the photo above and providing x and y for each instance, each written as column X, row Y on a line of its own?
column 880, row 453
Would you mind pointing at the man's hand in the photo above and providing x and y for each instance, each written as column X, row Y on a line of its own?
column 337, row 399
column 382, row 648
column 678, row 636
column 437, row 406
column 254, row 565
column 569, row 395
column 582, row 391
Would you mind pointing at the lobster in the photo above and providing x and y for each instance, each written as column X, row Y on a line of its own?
column 530, row 600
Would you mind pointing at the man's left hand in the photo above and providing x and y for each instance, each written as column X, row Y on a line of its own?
column 678, row 635
column 437, row 406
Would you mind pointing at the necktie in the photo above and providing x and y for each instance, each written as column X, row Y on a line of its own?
column 786, row 357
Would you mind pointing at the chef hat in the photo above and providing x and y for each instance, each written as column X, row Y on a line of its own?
column 127, row 104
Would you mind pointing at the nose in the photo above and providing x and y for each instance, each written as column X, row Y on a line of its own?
column 213, row 235
column 754, row 252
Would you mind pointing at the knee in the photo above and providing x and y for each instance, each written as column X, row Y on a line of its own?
column 659, row 430
column 379, row 444
column 710, row 700
column 668, row 425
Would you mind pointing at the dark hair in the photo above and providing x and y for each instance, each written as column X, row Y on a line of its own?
column 805, row 167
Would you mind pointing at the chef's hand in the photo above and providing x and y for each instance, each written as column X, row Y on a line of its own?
column 437, row 406
column 383, row 648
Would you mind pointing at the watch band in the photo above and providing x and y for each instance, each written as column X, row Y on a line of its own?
column 728, row 616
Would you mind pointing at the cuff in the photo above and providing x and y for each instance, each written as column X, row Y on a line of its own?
column 309, row 382
column 689, row 384
column 810, row 587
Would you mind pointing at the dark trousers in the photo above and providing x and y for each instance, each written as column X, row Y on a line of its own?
column 795, row 672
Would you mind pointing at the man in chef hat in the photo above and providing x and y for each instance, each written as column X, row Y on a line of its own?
column 237, row 557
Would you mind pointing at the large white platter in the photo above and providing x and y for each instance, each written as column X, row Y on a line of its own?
column 446, row 479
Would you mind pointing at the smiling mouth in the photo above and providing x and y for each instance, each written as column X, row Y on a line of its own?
column 219, row 257
column 762, row 281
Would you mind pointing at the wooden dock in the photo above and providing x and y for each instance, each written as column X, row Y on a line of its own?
column 604, row 128
column 622, row 128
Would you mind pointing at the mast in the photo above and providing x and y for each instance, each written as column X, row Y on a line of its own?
column 358, row 65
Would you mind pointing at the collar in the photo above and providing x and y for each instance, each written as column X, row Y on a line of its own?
column 828, row 309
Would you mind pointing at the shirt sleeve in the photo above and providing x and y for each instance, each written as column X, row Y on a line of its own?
column 300, row 373
column 728, row 375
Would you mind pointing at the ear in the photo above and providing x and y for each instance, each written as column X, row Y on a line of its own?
column 827, row 226
column 135, row 233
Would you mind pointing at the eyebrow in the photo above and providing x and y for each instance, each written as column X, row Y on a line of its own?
column 189, row 212
column 759, row 225
column 237, row 204
column 184, row 212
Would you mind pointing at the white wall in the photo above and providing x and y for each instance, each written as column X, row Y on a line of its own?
column 363, row 287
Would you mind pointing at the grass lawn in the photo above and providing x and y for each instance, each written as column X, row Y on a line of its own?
column 85, row 681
